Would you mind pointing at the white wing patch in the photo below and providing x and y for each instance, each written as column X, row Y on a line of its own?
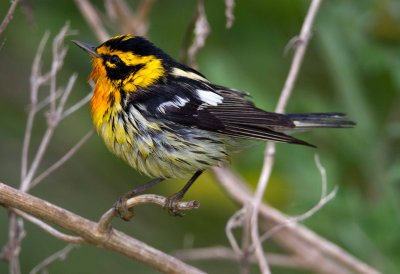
column 209, row 97
column 188, row 74
column 177, row 102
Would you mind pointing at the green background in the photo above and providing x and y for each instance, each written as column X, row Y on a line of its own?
column 352, row 65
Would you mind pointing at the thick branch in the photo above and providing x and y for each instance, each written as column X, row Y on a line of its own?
column 113, row 239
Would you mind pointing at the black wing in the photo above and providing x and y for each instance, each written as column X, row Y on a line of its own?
column 200, row 104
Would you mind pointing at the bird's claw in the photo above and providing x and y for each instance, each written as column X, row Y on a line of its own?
column 172, row 204
column 122, row 209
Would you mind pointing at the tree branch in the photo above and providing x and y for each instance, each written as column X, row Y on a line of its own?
column 304, row 37
column 112, row 239
column 9, row 16
column 93, row 19
column 59, row 255
column 225, row 253
column 321, row 255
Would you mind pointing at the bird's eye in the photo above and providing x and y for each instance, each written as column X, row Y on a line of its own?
column 114, row 59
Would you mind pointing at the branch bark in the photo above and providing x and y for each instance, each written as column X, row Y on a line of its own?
column 319, row 254
column 9, row 16
column 112, row 239
column 269, row 157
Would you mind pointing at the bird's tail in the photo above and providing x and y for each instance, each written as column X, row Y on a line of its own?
column 320, row 120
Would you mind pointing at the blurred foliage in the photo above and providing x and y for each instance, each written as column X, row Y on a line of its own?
column 352, row 66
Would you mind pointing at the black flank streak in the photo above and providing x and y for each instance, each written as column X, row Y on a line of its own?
column 202, row 162
column 198, row 152
column 182, row 161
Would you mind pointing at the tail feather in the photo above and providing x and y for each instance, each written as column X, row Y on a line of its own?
column 320, row 120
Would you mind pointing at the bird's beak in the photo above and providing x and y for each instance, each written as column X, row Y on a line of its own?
column 87, row 47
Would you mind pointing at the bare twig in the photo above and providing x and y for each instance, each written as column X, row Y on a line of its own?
column 261, row 186
column 37, row 80
column 187, row 37
column 230, row 18
column 135, row 23
column 16, row 225
column 321, row 255
column 236, row 220
column 325, row 198
column 88, row 230
column 52, row 231
column 59, row 255
column 93, row 19
column 201, row 31
column 59, row 52
column 270, row 150
column 64, row 97
column 12, row 249
column 76, row 106
column 105, row 220
column 225, row 253
column 35, row 83
column 46, row 101
column 9, row 16
column 62, row 160
column 246, row 242
column 54, row 114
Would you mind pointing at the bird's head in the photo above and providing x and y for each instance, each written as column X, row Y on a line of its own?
column 127, row 62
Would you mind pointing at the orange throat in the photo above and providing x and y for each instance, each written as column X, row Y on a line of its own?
column 105, row 97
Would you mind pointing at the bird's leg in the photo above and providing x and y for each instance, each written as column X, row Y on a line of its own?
column 173, row 200
column 120, row 206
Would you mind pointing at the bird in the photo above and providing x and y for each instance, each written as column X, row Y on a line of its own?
column 167, row 120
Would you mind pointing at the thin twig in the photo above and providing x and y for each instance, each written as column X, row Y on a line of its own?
column 321, row 255
column 236, row 220
column 76, row 106
column 65, row 95
column 261, row 186
column 59, row 255
column 304, row 37
column 9, row 16
column 49, row 229
column 201, row 32
column 59, row 52
column 113, row 240
column 325, row 198
column 246, row 242
column 105, row 220
column 135, row 23
column 230, row 18
column 46, row 100
column 35, row 84
column 93, row 19
column 62, row 160
column 12, row 249
column 225, row 253
column 187, row 37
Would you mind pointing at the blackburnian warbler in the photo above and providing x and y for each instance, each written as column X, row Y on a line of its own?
column 167, row 120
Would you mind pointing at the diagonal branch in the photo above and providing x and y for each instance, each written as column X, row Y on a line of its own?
column 93, row 19
column 304, row 37
column 111, row 239
column 59, row 255
column 62, row 160
column 9, row 16
column 321, row 255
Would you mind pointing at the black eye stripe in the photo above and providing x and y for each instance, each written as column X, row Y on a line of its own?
column 121, row 71
column 114, row 59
